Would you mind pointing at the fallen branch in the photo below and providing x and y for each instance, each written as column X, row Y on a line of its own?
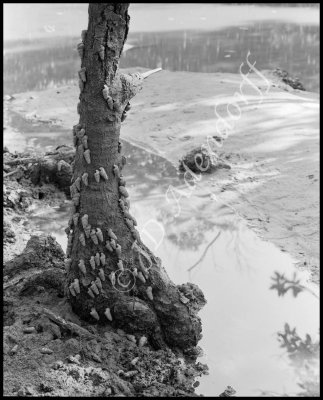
column 205, row 251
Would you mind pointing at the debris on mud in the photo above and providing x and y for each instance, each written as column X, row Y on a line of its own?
column 201, row 160
column 294, row 82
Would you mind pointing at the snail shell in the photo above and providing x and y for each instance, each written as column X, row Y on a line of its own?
column 76, row 218
column 83, row 35
column 108, row 246
column 90, row 293
column 150, row 293
column 123, row 116
column 101, row 274
column 113, row 244
column 127, row 107
column 116, row 171
column 85, row 220
column 112, row 278
column 120, row 265
column 98, row 283
column 102, row 259
column 97, row 176
column 94, row 288
column 105, row 92
column 118, row 250
column 76, row 199
column 82, row 74
column 87, row 156
column 103, row 173
column 72, row 290
column 123, row 191
column 85, row 177
column 141, row 277
column 110, row 102
column 97, row 259
column 76, row 285
column 111, row 234
column 94, row 237
column 94, row 314
column 99, row 234
column 101, row 54
column 107, row 313
column 84, row 142
column 81, row 85
column 82, row 239
column 77, row 183
column 92, row 262
column 87, row 231
column 78, row 108
column 142, row 341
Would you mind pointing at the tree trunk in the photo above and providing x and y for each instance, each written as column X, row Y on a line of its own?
column 116, row 280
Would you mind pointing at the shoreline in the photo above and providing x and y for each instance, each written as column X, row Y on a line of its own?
column 274, row 155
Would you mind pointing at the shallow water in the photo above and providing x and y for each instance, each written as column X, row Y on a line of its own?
column 243, row 315
column 200, row 44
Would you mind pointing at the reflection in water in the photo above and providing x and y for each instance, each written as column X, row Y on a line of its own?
column 295, row 48
column 242, row 314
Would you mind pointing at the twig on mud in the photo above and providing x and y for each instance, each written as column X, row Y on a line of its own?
column 69, row 326
column 205, row 251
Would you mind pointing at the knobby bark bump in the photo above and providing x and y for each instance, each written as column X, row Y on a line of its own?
column 112, row 277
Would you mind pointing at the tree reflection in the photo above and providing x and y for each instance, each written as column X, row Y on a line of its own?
column 303, row 353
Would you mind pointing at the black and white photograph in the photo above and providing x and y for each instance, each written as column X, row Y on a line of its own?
column 161, row 173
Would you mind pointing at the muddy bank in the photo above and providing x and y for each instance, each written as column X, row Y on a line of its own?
column 272, row 140
column 48, row 350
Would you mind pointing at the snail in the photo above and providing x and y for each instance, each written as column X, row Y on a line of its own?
column 83, row 35
column 97, row 259
column 72, row 290
column 150, row 293
column 103, row 173
column 92, row 262
column 118, row 250
column 107, row 313
column 94, row 288
column 98, row 283
column 97, row 176
column 94, row 314
column 112, row 278
column 87, row 231
column 82, row 239
column 141, row 277
column 142, row 341
column 110, row 102
column 108, row 246
column 101, row 53
column 123, row 116
column 123, row 191
column 87, row 156
column 99, row 234
column 122, row 181
column 78, row 108
column 80, row 133
column 84, row 142
column 81, row 85
column 127, row 107
column 75, row 218
column 120, row 265
column 94, row 237
column 81, row 265
column 77, row 183
column 112, row 234
column 101, row 274
column 116, row 171
column 113, row 244
column 76, row 199
column 82, row 74
column 102, row 259
column 76, row 286
column 90, row 293
column 85, row 178
column 105, row 92
column 85, row 220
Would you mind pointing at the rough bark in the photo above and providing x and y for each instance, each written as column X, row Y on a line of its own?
column 143, row 300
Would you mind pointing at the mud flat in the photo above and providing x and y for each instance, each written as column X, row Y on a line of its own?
column 271, row 143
